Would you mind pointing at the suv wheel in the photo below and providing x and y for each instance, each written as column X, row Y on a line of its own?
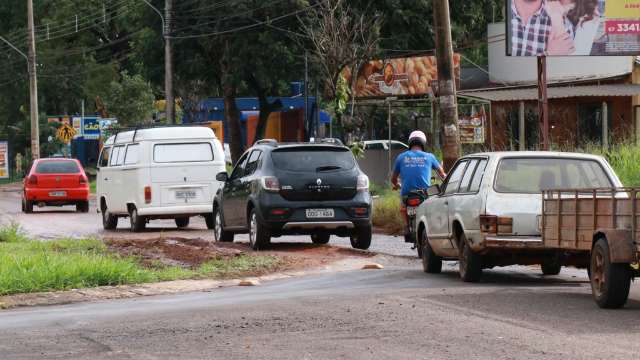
column 218, row 228
column 431, row 263
column 109, row 222
column 259, row 236
column 361, row 238
column 138, row 223
column 320, row 238
column 470, row 262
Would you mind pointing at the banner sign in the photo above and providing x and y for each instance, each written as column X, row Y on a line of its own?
column 4, row 160
column 91, row 128
column 472, row 128
column 411, row 76
column 573, row 27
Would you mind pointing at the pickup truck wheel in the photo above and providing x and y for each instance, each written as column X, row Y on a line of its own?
column 109, row 222
column 182, row 222
column 138, row 223
column 551, row 267
column 610, row 283
column 259, row 236
column 218, row 228
column 361, row 238
column 320, row 239
column 470, row 263
column 431, row 263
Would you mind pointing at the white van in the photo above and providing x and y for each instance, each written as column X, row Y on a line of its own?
column 159, row 173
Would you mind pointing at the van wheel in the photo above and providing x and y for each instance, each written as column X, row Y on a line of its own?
column 182, row 222
column 259, row 236
column 82, row 207
column 138, row 223
column 218, row 228
column 431, row 263
column 208, row 219
column 109, row 222
column 320, row 239
column 361, row 238
column 470, row 263
column 610, row 283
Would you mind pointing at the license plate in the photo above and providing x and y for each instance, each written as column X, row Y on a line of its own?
column 411, row 211
column 58, row 193
column 185, row 194
column 320, row 213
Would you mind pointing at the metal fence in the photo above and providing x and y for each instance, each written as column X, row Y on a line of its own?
column 376, row 165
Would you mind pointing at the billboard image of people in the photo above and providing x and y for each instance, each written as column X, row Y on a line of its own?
column 573, row 27
column 4, row 160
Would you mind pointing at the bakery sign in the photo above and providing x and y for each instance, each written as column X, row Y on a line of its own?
column 409, row 76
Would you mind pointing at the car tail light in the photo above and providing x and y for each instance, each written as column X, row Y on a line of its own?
column 270, row 183
column 279, row 212
column 83, row 180
column 363, row 183
column 33, row 180
column 498, row 225
column 360, row 211
column 413, row 202
column 147, row 194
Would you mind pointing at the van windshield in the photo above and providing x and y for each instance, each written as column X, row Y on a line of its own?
column 309, row 159
column 176, row 153
column 57, row 167
column 533, row 175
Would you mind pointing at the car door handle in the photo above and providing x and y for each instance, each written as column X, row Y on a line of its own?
column 106, row 179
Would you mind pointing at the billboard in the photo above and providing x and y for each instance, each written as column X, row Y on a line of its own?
column 472, row 128
column 410, row 76
column 91, row 128
column 4, row 160
column 573, row 27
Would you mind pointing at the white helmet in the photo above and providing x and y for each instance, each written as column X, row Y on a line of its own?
column 418, row 138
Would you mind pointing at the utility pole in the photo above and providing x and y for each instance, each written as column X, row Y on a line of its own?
column 306, row 93
column 33, row 85
column 168, row 64
column 446, row 82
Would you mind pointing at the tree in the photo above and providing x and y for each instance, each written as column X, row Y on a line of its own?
column 130, row 100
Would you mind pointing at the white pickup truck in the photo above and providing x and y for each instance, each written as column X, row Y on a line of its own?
column 487, row 211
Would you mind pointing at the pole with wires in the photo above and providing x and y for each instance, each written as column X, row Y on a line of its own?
column 33, row 85
column 168, row 64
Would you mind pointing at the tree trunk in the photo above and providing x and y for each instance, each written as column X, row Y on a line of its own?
column 232, row 118
column 265, row 107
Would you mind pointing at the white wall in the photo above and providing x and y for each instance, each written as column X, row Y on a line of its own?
column 518, row 70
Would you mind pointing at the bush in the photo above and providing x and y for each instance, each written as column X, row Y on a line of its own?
column 624, row 158
column 386, row 211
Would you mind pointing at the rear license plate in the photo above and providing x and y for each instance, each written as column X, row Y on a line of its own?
column 411, row 211
column 58, row 194
column 185, row 194
column 320, row 213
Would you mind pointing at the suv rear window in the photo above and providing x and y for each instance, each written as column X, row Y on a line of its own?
column 309, row 159
column 174, row 153
column 533, row 175
column 57, row 167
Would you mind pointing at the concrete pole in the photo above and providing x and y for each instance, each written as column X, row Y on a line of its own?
column 33, row 85
column 446, row 83
column 605, row 125
column 306, row 94
column 168, row 64
column 389, row 144
column 521, row 128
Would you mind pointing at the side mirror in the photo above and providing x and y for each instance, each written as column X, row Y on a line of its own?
column 434, row 190
column 222, row 177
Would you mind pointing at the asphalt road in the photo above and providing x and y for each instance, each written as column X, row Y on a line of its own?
column 395, row 313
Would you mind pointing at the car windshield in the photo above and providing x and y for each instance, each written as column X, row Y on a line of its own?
column 57, row 167
column 313, row 159
column 533, row 175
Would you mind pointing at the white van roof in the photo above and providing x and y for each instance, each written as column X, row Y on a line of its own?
column 163, row 133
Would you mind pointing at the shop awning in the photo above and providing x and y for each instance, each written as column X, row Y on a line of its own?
column 531, row 93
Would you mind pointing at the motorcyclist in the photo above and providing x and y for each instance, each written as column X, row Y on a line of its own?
column 413, row 167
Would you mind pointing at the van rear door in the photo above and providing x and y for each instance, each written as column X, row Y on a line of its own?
column 182, row 173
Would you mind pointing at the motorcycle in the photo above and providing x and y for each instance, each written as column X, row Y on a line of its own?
column 411, row 204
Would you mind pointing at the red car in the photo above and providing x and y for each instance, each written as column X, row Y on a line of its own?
column 56, row 182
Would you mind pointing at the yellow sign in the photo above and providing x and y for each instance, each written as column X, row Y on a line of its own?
column 623, row 9
column 66, row 133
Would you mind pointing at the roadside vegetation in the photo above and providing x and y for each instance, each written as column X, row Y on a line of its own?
column 28, row 265
column 624, row 158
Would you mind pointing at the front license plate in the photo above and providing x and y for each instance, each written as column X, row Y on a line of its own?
column 320, row 213
column 185, row 194
column 411, row 211
column 58, row 194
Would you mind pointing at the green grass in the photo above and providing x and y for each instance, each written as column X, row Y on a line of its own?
column 32, row 266
column 624, row 158
column 386, row 211
column 92, row 186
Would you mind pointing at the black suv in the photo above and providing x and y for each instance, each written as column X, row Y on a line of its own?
column 277, row 189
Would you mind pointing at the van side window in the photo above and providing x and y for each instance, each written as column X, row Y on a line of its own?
column 104, row 157
column 253, row 162
column 454, row 179
column 132, row 155
column 114, row 155
column 121, row 156
column 466, row 179
column 477, row 177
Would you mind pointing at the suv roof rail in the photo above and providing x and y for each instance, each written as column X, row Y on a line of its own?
column 271, row 142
